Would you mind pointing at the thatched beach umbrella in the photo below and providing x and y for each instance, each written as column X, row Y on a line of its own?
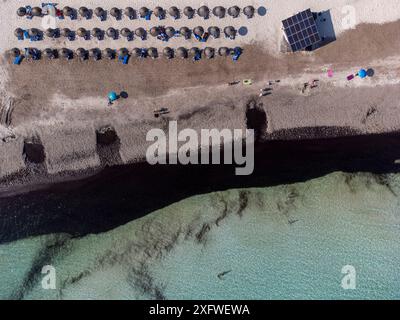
column 193, row 51
column 81, row 53
column 182, row 52
column 96, row 32
column 234, row 11
column 15, row 52
column 84, row 12
column 214, row 31
column 33, row 32
column 19, row 32
column 36, row 11
column 99, row 12
column 112, row 33
column 174, row 12
column 115, row 12
column 64, row 53
column 130, row 12
column 21, row 12
column 185, row 32
column 123, row 52
column 170, row 32
column 152, row 52
column 155, row 31
column 108, row 53
column 143, row 12
column 140, row 32
column 50, row 32
column 209, row 52
column 188, row 12
column 125, row 32
column 219, row 12
column 168, row 52
column 230, row 32
column 81, row 32
column 68, row 12
column 199, row 31
column 249, row 11
column 65, row 32
column 49, row 53
column 95, row 53
column 136, row 52
column 224, row 51
column 159, row 12
column 203, row 12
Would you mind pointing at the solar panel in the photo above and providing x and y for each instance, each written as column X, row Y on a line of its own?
column 301, row 30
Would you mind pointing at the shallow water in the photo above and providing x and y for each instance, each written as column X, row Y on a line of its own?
column 278, row 242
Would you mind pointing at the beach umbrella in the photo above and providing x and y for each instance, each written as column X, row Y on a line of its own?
column 125, row 32
column 362, row 73
column 81, row 53
column 21, row 12
column 130, row 12
column 214, row 31
column 84, row 12
column 68, row 12
column 224, row 51
column 170, row 32
column 152, row 52
column 50, row 32
column 108, row 53
column 203, row 12
column 64, row 52
column 49, row 53
column 249, row 11
column 159, row 12
column 144, row 12
column 115, row 12
column 182, row 52
column 230, row 31
column 15, row 52
column 168, row 52
column 36, row 11
column 198, row 31
column 123, row 52
column 188, row 12
column 111, row 32
column 193, row 51
column 185, row 31
column 65, row 32
column 99, row 12
column 155, row 31
column 140, row 32
column 174, row 12
column 19, row 32
column 96, row 32
column 81, row 32
column 112, row 96
column 219, row 12
column 234, row 11
column 33, row 32
column 95, row 53
column 136, row 52
column 209, row 52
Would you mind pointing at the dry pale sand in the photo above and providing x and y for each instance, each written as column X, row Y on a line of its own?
column 64, row 103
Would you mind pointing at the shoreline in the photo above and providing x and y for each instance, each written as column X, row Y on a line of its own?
column 120, row 194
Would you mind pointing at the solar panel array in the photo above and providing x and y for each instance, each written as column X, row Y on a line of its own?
column 301, row 30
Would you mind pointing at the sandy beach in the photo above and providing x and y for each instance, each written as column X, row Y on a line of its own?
column 61, row 104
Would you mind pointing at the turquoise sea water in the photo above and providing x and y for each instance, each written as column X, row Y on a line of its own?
column 285, row 242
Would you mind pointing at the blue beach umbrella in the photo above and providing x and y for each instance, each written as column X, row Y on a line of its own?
column 112, row 96
column 362, row 74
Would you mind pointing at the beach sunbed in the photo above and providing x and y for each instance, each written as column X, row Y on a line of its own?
column 18, row 60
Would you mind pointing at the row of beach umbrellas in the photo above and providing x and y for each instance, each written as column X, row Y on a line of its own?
column 229, row 31
column 144, row 12
column 108, row 53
